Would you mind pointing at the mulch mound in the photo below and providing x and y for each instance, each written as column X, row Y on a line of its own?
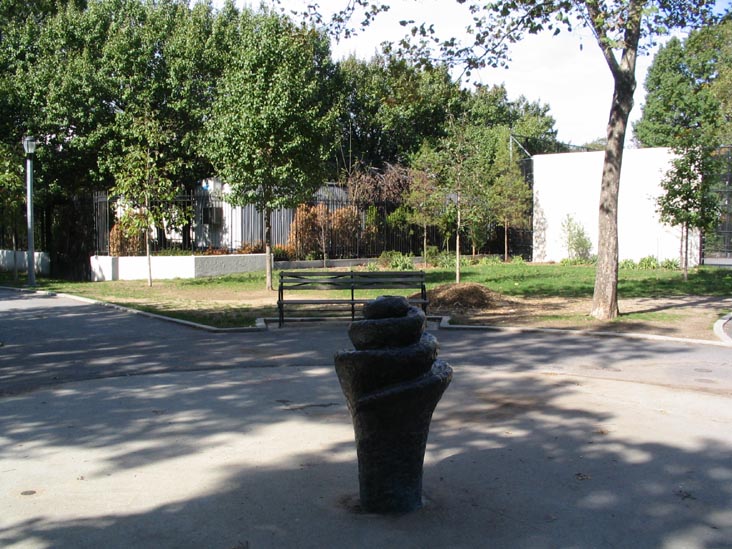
column 463, row 296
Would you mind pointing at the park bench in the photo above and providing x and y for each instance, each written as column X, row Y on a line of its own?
column 351, row 282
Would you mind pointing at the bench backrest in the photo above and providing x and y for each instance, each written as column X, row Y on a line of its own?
column 357, row 280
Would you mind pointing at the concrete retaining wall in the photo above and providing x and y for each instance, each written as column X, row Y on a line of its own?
column 42, row 262
column 164, row 267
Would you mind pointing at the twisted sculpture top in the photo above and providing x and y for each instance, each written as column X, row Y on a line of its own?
column 389, row 322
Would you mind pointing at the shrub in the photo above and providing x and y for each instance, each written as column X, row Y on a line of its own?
column 402, row 263
column 567, row 262
column 396, row 261
column 628, row 264
column 432, row 254
column 304, row 231
column 671, row 264
column 579, row 245
column 120, row 244
column 491, row 260
column 648, row 263
column 517, row 260
column 345, row 228
column 252, row 248
column 386, row 257
column 217, row 251
column 592, row 260
column 445, row 260
column 174, row 251
column 283, row 253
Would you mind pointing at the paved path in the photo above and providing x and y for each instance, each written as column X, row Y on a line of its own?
column 118, row 430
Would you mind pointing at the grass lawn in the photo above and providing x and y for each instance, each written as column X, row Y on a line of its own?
column 236, row 300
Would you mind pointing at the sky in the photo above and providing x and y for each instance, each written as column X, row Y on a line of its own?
column 567, row 72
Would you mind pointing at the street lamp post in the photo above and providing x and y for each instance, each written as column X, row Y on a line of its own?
column 29, row 144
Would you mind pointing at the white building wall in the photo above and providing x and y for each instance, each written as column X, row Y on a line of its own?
column 569, row 184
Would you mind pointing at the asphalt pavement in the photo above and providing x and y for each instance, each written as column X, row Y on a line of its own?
column 118, row 430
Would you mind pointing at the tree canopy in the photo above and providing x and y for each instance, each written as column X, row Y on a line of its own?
column 273, row 122
column 622, row 29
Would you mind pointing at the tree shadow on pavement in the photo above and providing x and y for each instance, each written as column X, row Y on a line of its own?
column 265, row 458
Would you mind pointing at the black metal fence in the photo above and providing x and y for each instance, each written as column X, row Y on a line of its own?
column 717, row 246
column 330, row 225
column 63, row 227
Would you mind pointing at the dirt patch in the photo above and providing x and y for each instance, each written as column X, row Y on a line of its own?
column 464, row 297
column 691, row 317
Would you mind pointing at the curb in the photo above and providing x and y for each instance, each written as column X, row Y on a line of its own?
column 259, row 327
column 445, row 325
column 719, row 330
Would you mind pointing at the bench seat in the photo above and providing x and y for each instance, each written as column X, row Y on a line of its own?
column 352, row 281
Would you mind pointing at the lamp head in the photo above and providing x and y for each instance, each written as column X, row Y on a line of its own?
column 29, row 144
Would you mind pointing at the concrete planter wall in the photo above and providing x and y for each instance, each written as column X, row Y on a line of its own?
column 197, row 266
column 42, row 261
column 163, row 267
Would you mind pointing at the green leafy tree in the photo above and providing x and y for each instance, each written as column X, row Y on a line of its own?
column 458, row 151
column 11, row 194
column 510, row 198
column 145, row 184
column 273, row 121
column 424, row 199
column 688, row 200
column 145, row 153
column 685, row 110
column 679, row 98
column 620, row 27
column 390, row 107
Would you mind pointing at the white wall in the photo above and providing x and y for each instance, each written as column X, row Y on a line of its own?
column 164, row 267
column 569, row 184
column 41, row 259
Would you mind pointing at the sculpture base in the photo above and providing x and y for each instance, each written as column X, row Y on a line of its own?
column 391, row 430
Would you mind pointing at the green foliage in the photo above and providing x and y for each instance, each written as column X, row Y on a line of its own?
column 648, row 263
column 431, row 255
column 567, row 262
column 400, row 218
column 579, row 245
column 402, row 263
column 390, row 108
column 396, row 261
column 628, row 264
column 684, row 99
column 687, row 198
column 282, row 253
column 491, row 260
column 270, row 132
column 12, row 187
column 671, row 264
column 444, row 260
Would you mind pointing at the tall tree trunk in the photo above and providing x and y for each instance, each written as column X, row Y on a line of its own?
column 457, row 241
column 605, row 297
column 424, row 244
column 268, row 247
column 505, row 241
column 685, row 229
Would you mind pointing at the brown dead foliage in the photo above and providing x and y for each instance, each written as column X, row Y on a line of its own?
column 463, row 297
